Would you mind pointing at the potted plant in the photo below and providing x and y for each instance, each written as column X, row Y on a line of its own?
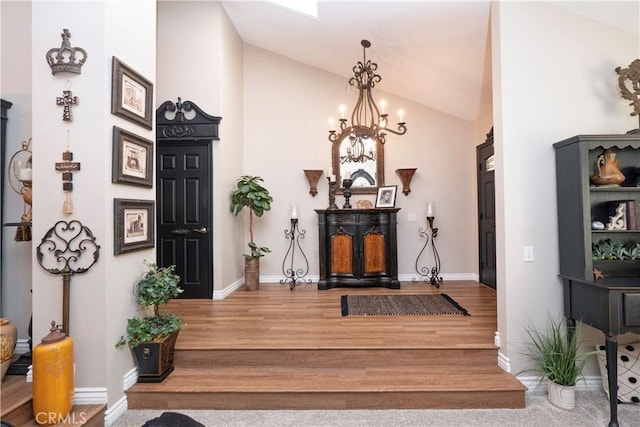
column 555, row 354
column 250, row 193
column 152, row 338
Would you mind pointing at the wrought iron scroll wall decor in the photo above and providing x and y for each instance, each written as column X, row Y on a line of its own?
column 61, row 252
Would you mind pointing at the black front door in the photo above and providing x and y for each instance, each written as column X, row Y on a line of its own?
column 183, row 184
column 486, row 212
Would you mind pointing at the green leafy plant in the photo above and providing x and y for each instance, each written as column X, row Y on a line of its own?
column 607, row 249
column 251, row 194
column 554, row 353
column 153, row 289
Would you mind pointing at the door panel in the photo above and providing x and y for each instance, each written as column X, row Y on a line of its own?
column 486, row 212
column 184, row 214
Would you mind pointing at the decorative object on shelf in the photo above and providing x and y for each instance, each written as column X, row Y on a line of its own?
column 67, row 167
column 53, row 377
column 152, row 338
column 66, row 101
column 429, row 274
column 131, row 94
column 60, row 252
column 294, row 276
column 386, row 196
column 346, row 184
column 606, row 170
column 332, row 192
column 20, row 175
column 251, row 194
column 8, row 340
column 405, row 176
column 368, row 122
column 133, row 224
column 597, row 274
column 313, row 175
column 632, row 74
column 618, row 218
column 66, row 59
column 364, row 204
column 132, row 159
column 597, row 225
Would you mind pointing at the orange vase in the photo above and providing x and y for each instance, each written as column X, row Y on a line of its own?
column 606, row 170
column 53, row 378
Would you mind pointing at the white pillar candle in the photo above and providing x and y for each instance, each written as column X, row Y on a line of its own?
column 294, row 211
column 431, row 209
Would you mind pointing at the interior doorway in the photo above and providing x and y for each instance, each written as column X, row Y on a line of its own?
column 486, row 211
column 184, row 135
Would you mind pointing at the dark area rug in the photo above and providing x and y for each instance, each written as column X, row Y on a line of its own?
column 172, row 419
column 393, row 305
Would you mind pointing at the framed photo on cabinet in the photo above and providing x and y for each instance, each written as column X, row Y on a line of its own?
column 386, row 196
column 131, row 94
column 133, row 222
column 132, row 159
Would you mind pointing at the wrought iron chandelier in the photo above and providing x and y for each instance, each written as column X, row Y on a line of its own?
column 368, row 122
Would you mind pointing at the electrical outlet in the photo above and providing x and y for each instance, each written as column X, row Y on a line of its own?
column 527, row 254
column 411, row 217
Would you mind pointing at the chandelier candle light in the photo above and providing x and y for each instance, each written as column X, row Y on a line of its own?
column 368, row 122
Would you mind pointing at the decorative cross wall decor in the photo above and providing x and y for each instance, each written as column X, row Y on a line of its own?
column 67, row 100
column 67, row 167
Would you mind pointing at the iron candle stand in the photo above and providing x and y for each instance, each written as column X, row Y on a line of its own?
column 432, row 274
column 332, row 194
column 346, row 183
column 294, row 276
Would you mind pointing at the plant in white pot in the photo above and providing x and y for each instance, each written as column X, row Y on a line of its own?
column 555, row 355
column 250, row 193
column 152, row 338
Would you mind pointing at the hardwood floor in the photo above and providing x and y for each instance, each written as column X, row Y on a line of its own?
column 279, row 349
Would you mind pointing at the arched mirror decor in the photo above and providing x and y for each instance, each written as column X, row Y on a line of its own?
column 358, row 147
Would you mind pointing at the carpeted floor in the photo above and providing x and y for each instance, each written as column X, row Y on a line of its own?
column 592, row 410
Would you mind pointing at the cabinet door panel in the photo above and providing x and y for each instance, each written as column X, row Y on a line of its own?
column 341, row 254
column 374, row 253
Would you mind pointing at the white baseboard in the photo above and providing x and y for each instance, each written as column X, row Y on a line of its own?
column 90, row 396
column 22, row 346
column 130, row 378
column 115, row 411
column 220, row 295
column 537, row 385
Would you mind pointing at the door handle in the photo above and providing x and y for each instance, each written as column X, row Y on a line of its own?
column 201, row 230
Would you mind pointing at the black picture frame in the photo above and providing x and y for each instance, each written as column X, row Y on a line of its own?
column 133, row 225
column 131, row 94
column 132, row 159
column 386, row 196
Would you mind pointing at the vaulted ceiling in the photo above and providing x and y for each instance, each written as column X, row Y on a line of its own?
column 431, row 52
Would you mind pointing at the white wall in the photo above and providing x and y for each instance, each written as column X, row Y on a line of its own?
column 101, row 299
column 286, row 108
column 15, row 86
column 553, row 78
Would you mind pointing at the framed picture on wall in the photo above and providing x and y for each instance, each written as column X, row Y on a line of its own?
column 133, row 222
column 131, row 94
column 386, row 196
column 132, row 159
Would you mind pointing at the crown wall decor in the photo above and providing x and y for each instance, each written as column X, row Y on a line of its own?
column 66, row 59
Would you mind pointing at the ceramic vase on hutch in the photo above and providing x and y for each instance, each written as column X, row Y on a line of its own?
column 8, row 339
column 606, row 170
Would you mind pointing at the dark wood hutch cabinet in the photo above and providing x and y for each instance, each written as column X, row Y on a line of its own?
column 610, row 303
column 358, row 247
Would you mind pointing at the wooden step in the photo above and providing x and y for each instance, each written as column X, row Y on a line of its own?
column 293, row 387
column 17, row 407
column 343, row 357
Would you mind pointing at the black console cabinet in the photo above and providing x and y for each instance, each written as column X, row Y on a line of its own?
column 358, row 247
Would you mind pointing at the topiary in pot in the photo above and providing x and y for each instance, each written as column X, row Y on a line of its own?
column 250, row 193
column 152, row 338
